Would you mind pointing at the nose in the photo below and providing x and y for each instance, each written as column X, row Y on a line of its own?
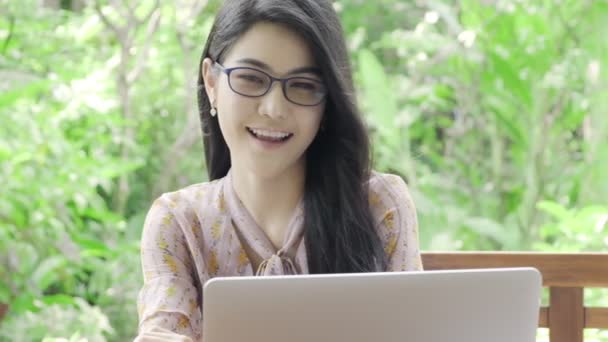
column 274, row 103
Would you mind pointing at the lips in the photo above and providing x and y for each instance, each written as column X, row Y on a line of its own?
column 269, row 135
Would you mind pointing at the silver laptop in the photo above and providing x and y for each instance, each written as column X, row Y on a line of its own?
column 488, row 305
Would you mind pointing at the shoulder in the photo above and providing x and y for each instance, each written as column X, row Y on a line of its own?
column 179, row 215
column 388, row 191
column 193, row 197
column 390, row 200
column 188, row 206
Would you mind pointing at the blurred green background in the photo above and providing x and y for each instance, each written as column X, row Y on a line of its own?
column 495, row 112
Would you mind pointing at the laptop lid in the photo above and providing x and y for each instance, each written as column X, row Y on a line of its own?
column 499, row 305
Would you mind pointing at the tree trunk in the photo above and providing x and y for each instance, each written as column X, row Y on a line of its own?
column 3, row 310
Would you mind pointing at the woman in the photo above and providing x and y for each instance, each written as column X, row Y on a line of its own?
column 291, row 190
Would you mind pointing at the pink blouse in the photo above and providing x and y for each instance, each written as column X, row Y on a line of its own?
column 198, row 233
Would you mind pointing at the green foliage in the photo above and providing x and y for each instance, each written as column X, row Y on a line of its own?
column 54, row 321
column 494, row 113
column 488, row 110
column 64, row 250
column 573, row 230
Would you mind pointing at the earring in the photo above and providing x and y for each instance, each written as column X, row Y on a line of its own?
column 213, row 111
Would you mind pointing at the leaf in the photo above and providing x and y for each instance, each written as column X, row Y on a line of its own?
column 5, row 291
column 30, row 90
column 380, row 105
column 46, row 273
column 58, row 299
column 91, row 244
column 101, row 215
column 555, row 209
column 25, row 257
column 24, row 302
column 502, row 110
column 117, row 169
column 491, row 229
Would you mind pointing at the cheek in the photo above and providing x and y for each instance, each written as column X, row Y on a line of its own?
column 230, row 127
column 312, row 121
column 225, row 128
column 231, row 118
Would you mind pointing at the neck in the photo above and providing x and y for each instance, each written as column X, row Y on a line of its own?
column 271, row 201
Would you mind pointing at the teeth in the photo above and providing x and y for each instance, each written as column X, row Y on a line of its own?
column 269, row 134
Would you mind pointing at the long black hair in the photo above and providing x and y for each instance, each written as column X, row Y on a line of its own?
column 339, row 229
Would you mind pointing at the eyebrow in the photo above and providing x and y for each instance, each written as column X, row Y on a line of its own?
column 302, row 70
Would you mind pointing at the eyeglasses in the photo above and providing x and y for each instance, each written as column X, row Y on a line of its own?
column 252, row 82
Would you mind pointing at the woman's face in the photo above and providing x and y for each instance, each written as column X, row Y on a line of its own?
column 267, row 135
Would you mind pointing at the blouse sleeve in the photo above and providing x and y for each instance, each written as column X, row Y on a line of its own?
column 397, row 222
column 168, row 301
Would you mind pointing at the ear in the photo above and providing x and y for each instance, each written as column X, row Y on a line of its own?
column 210, row 79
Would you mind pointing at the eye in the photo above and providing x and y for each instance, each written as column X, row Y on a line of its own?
column 253, row 78
column 304, row 85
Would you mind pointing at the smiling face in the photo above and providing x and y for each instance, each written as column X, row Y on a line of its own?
column 267, row 135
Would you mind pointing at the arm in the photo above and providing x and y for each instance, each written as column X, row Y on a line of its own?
column 168, row 303
column 398, row 223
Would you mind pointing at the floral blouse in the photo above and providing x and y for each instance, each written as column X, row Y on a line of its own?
column 198, row 233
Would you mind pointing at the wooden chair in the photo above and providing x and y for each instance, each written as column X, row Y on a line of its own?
column 566, row 275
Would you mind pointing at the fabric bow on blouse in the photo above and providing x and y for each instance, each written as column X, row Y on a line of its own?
column 281, row 262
